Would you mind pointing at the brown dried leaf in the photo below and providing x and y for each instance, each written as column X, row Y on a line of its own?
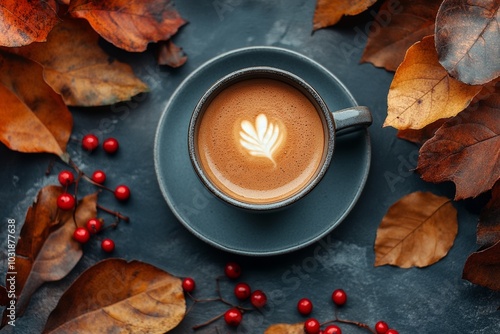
column 33, row 118
column 78, row 69
column 420, row 136
column 466, row 149
column 329, row 12
column 24, row 21
column 422, row 92
column 483, row 267
column 488, row 229
column 418, row 230
column 133, row 296
column 285, row 329
column 467, row 37
column 46, row 250
column 397, row 26
column 170, row 54
column 130, row 24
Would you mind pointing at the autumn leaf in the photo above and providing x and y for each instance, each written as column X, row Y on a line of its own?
column 467, row 39
column 418, row 230
column 45, row 250
column 398, row 25
column 329, row 12
column 78, row 69
column 33, row 118
column 285, row 329
column 466, row 149
column 170, row 54
column 421, row 91
column 483, row 267
column 130, row 24
column 24, row 21
column 420, row 136
column 135, row 297
column 488, row 229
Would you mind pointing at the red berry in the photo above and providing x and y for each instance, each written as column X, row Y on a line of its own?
column 392, row 331
column 258, row 298
column 188, row 284
column 339, row 297
column 381, row 327
column 232, row 270
column 332, row 329
column 81, row 235
column 242, row 291
column 66, row 178
column 305, row 306
column 65, row 201
column 110, row 145
column 99, row 176
column 312, row 326
column 233, row 317
column 108, row 245
column 90, row 142
column 94, row 225
column 122, row 193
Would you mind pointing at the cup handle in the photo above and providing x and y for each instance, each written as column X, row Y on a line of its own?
column 351, row 119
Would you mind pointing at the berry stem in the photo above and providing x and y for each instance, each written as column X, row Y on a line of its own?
column 118, row 215
column 196, row 327
column 349, row 322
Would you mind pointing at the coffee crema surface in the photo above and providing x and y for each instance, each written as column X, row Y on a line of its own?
column 260, row 140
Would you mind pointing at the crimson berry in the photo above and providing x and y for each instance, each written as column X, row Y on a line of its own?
column 232, row 270
column 242, row 291
column 233, row 317
column 99, row 176
column 258, row 298
column 339, row 297
column 94, row 225
column 312, row 326
column 108, row 245
column 66, row 178
column 122, row 192
column 381, row 327
column 188, row 284
column 332, row 329
column 392, row 331
column 305, row 306
column 110, row 145
column 65, row 201
column 81, row 235
column 90, row 142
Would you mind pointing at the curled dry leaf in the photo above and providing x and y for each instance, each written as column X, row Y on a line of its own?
column 285, row 329
column 398, row 25
column 78, row 69
column 483, row 267
column 45, row 250
column 467, row 39
column 488, row 229
column 418, row 230
column 25, row 21
column 135, row 297
column 130, row 24
column 170, row 54
column 33, row 118
column 329, row 12
column 466, row 149
column 422, row 92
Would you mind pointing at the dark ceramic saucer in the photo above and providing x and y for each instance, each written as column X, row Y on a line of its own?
column 235, row 230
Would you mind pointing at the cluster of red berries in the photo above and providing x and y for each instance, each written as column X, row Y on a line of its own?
column 242, row 291
column 339, row 298
column 67, row 201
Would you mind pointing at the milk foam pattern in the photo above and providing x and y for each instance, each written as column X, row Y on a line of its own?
column 261, row 139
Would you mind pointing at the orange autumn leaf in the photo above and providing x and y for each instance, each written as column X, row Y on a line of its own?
column 421, row 91
column 329, row 12
column 134, row 297
column 23, row 21
column 78, row 69
column 130, row 24
column 399, row 25
column 285, row 329
column 420, row 136
column 417, row 231
column 170, row 54
column 33, row 118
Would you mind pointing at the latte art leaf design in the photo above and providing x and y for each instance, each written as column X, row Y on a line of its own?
column 261, row 139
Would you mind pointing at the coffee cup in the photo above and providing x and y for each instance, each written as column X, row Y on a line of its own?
column 262, row 138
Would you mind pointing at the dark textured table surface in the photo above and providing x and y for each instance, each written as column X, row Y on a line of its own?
column 428, row 300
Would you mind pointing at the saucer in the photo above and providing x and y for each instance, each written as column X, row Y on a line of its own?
column 235, row 230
